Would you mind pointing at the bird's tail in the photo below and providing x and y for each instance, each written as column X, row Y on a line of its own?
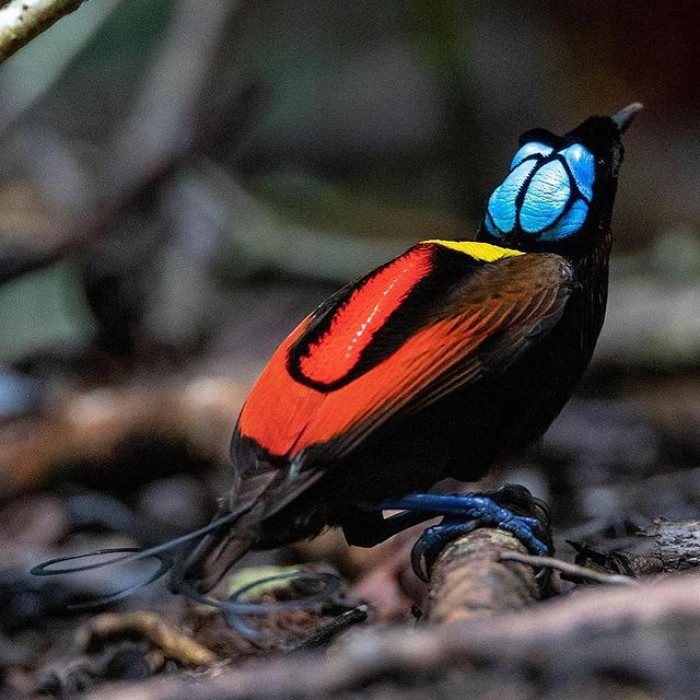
column 222, row 542
column 220, row 550
column 255, row 497
column 164, row 553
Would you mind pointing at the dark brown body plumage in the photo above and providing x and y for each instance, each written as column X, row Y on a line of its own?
column 461, row 435
column 532, row 316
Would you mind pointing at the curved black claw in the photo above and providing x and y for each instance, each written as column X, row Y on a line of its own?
column 433, row 541
column 516, row 497
column 466, row 512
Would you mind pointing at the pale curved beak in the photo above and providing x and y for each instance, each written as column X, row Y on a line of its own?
column 626, row 116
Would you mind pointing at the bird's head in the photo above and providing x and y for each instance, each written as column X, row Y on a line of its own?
column 559, row 193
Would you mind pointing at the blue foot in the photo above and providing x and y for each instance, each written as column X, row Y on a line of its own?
column 433, row 541
column 466, row 512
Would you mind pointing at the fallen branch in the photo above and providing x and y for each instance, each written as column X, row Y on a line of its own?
column 667, row 546
column 22, row 20
column 470, row 579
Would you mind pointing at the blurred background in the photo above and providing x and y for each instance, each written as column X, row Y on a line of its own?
column 182, row 180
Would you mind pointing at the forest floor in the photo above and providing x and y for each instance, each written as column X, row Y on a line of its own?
column 143, row 458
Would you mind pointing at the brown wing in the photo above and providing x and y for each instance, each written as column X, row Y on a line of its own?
column 481, row 326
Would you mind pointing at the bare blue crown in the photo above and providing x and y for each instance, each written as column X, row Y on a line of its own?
column 546, row 194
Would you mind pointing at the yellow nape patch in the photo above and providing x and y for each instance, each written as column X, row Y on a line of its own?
column 478, row 251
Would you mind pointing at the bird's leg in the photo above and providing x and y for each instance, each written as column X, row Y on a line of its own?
column 464, row 513
column 370, row 528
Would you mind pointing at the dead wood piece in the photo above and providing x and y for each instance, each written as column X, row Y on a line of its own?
column 677, row 543
column 470, row 579
column 667, row 546
column 173, row 643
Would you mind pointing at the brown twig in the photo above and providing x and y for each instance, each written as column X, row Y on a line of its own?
column 573, row 571
column 23, row 20
column 165, row 636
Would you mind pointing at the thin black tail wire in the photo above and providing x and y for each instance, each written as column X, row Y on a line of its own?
column 44, row 569
column 233, row 608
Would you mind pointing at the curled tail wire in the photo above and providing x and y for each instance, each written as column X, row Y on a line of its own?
column 234, row 609
column 131, row 554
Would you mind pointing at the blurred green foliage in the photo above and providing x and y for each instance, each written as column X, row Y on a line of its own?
column 43, row 310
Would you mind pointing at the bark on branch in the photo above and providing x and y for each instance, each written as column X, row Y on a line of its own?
column 22, row 20
column 666, row 547
column 470, row 580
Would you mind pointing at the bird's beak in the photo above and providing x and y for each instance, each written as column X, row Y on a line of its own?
column 626, row 116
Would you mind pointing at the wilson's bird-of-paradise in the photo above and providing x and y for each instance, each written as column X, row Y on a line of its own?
column 430, row 366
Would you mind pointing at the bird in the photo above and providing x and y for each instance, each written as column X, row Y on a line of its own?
column 431, row 366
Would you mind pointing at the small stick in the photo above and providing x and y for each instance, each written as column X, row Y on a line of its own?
column 23, row 20
column 171, row 641
column 325, row 634
column 571, row 570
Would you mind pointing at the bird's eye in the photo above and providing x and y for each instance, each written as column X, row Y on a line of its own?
column 533, row 148
column 582, row 165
